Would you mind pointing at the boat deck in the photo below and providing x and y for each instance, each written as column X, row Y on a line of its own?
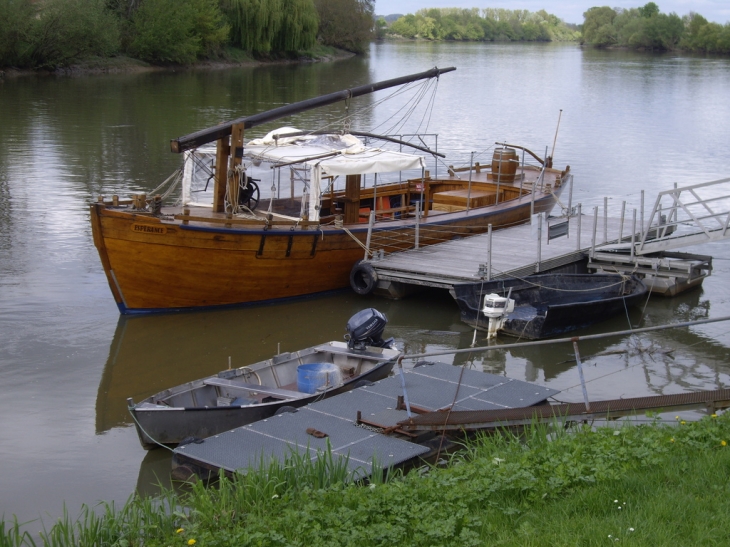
column 350, row 423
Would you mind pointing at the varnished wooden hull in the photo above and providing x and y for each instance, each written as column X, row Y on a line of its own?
column 157, row 265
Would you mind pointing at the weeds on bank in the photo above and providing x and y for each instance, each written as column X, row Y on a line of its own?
column 653, row 484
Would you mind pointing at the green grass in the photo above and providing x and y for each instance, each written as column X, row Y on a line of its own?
column 651, row 484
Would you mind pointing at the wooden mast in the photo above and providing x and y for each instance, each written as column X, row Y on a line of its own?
column 223, row 150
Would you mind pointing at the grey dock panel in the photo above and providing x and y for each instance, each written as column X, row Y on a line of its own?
column 432, row 387
column 277, row 437
column 514, row 254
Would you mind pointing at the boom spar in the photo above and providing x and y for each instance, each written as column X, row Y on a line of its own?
column 204, row 136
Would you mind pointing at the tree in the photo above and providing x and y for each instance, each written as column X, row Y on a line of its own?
column 299, row 24
column 381, row 26
column 254, row 23
column 347, row 24
column 177, row 31
column 598, row 26
column 15, row 31
column 66, row 30
column 649, row 10
column 405, row 26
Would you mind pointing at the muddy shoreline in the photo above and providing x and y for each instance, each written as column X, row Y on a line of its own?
column 128, row 65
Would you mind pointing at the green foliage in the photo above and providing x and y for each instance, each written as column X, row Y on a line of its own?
column 346, row 24
column 549, row 486
column 705, row 37
column 177, row 31
column 15, row 31
column 659, row 32
column 489, row 24
column 647, row 28
column 598, row 28
column 299, row 25
column 56, row 33
column 381, row 28
column 649, row 10
column 263, row 26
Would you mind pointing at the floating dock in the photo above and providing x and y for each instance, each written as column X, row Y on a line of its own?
column 559, row 244
column 352, row 425
column 681, row 217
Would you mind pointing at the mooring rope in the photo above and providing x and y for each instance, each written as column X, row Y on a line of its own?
column 340, row 225
column 142, row 429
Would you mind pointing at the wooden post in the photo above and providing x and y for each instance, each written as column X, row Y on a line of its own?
column 222, row 151
column 352, row 199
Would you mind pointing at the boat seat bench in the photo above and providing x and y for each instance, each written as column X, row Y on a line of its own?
column 264, row 390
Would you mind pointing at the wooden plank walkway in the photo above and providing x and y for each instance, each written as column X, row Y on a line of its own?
column 515, row 253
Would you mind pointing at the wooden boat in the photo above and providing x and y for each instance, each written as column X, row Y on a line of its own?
column 244, row 247
column 240, row 396
column 542, row 306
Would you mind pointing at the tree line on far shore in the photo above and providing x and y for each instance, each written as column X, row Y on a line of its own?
column 647, row 28
column 480, row 25
column 635, row 28
column 56, row 33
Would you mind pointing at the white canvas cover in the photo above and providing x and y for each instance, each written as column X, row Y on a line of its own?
column 197, row 182
column 328, row 155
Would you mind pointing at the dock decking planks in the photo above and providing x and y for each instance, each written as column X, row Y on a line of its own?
column 514, row 254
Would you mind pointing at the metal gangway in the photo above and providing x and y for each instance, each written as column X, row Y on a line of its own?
column 681, row 217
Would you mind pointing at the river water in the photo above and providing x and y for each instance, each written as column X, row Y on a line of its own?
column 68, row 361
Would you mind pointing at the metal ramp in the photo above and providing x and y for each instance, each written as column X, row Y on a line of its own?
column 691, row 215
column 353, row 421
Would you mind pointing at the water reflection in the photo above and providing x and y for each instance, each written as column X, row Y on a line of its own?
column 631, row 121
column 149, row 354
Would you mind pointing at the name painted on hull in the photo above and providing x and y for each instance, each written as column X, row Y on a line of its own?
column 148, row 229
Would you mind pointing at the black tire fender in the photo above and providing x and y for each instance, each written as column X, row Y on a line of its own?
column 363, row 278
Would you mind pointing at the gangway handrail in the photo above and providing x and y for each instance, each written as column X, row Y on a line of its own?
column 660, row 224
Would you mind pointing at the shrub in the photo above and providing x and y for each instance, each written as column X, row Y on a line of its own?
column 66, row 30
column 15, row 31
column 177, row 31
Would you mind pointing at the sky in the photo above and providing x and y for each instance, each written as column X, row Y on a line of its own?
column 570, row 11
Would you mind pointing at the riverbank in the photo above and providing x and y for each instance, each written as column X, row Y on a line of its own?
column 231, row 58
column 550, row 486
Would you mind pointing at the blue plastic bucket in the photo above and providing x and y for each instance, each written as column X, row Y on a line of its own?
column 313, row 376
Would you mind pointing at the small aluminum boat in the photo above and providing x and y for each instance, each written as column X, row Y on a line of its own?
column 240, row 396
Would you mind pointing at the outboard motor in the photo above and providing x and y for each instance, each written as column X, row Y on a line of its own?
column 365, row 328
column 496, row 308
